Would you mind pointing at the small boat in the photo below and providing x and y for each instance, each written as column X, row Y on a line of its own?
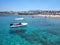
column 18, row 25
column 19, row 18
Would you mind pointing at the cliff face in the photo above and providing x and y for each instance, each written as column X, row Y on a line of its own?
column 33, row 12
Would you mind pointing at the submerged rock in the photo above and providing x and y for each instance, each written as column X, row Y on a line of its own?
column 17, row 31
column 40, row 37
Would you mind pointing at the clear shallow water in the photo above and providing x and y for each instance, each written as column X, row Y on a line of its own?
column 39, row 31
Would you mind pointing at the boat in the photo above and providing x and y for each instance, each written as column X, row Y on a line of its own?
column 18, row 25
column 19, row 18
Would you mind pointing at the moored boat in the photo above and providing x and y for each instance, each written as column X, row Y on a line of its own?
column 18, row 25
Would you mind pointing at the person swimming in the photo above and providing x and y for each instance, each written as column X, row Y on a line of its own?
column 20, row 23
column 11, row 24
column 32, row 16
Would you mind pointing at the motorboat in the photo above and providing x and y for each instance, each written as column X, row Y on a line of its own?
column 19, row 18
column 18, row 25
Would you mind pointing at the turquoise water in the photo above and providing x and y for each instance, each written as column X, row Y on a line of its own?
column 39, row 31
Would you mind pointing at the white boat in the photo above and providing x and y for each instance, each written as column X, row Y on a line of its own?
column 18, row 25
column 19, row 18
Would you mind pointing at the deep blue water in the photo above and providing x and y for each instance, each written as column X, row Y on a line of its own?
column 39, row 31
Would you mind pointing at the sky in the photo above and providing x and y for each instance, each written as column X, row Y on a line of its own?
column 25, row 5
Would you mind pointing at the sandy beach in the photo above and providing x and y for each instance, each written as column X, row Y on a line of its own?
column 54, row 16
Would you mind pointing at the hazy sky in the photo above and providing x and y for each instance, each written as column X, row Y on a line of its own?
column 18, row 5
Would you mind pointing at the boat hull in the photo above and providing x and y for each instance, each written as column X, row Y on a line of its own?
column 22, row 24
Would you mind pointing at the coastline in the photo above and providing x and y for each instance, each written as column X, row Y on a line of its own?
column 53, row 16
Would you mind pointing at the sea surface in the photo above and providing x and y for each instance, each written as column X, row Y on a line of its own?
column 39, row 31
